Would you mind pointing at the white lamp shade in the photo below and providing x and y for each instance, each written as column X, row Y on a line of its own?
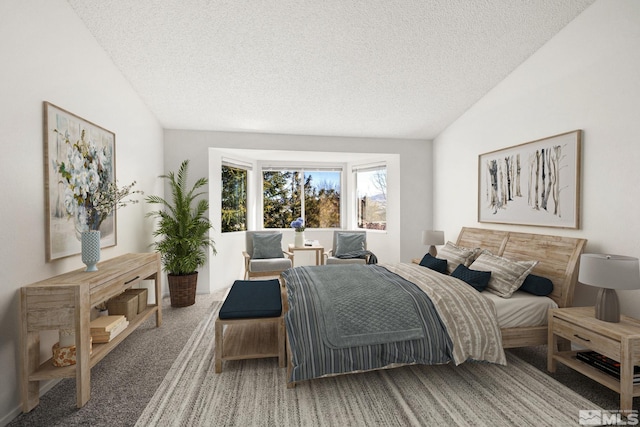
column 609, row 271
column 433, row 237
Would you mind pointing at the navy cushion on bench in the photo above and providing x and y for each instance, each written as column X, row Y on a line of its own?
column 251, row 299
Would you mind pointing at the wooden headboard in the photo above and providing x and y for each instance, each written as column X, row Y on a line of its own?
column 558, row 257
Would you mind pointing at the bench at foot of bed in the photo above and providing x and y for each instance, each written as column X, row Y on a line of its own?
column 250, row 324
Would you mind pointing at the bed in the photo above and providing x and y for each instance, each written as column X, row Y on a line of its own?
column 558, row 258
column 318, row 347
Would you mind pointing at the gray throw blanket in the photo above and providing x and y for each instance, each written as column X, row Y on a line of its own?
column 364, row 305
column 359, row 254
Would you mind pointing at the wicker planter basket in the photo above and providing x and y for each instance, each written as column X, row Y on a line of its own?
column 182, row 289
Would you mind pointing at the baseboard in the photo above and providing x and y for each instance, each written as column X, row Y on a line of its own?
column 45, row 386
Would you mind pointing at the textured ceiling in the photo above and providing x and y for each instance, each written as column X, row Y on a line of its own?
column 375, row 68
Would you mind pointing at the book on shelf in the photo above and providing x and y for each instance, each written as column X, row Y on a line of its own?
column 595, row 356
column 106, row 323
column 101, row 337
column 606, row 364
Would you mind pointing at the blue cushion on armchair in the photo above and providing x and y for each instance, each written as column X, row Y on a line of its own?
column 267, row 246
column 350, row 242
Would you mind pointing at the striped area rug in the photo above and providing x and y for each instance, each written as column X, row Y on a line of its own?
column 254, row 393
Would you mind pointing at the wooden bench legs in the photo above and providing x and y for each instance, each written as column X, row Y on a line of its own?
column 256, row 338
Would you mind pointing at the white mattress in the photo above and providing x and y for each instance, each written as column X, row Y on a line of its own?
column 522, row 309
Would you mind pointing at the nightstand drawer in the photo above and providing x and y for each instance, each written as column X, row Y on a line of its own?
column 587, row 338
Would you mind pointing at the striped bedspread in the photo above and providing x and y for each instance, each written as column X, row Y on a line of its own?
column 449, row 336
column 470, row 319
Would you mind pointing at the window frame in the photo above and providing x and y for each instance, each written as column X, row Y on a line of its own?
column 368, row 167
column 247, row 168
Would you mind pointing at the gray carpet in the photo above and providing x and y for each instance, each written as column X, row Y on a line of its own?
column 125, row 381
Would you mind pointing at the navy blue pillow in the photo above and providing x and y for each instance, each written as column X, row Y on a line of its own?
column 537, row 285
column 476, row 278
column 437, row 264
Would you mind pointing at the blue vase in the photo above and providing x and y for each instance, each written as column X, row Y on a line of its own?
column 90, row 249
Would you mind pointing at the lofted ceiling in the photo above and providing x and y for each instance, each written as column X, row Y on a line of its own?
column 370, row 68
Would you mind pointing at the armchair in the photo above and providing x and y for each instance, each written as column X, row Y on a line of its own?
column 344, row 242
column 264, row 255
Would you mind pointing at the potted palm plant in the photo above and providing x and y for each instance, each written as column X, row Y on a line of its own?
column 183, row 232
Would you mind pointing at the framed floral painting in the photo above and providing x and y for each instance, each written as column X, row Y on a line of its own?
column 79, row 163
column 535, row 183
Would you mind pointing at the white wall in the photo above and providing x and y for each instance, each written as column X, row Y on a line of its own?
column 405, row 242
column 587, row 77
column 48, row 55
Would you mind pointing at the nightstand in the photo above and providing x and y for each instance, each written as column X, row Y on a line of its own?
column 619, row 341
column 319, row 250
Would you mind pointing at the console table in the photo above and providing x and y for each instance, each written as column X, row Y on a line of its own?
column 65, row 302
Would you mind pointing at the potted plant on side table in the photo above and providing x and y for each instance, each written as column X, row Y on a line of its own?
column 183, row 230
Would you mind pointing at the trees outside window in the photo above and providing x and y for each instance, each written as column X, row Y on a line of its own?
column 322, row 199
column 234, row 199
column 281, row 200
column 371, row 197
column 297, row 193
column 312, row 194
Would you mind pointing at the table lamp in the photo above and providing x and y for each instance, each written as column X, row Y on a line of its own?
column 609, row 272
column 432, row 238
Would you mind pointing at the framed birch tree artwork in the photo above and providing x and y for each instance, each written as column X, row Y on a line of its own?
column 535, row 183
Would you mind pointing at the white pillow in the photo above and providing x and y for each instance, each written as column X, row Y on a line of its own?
column 506, row 275
column 456, row 255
